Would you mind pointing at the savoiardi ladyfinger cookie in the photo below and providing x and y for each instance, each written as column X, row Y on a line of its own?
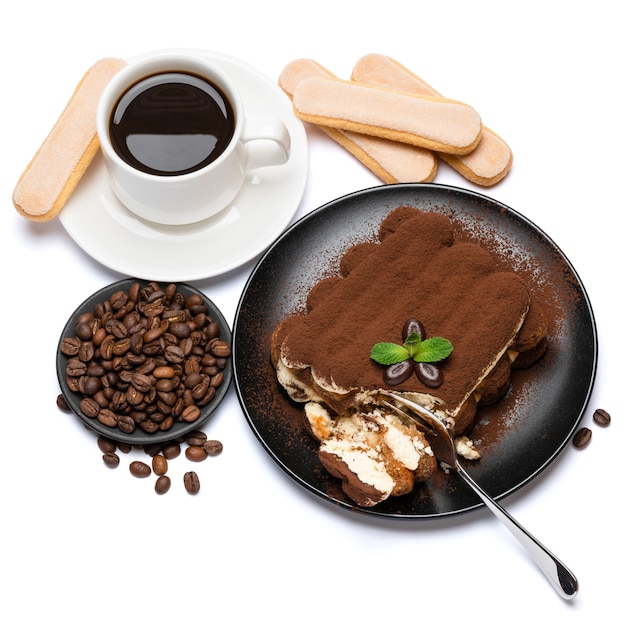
column 53, row 173
column 430, row 122
column 486, row 165
column 391, row 161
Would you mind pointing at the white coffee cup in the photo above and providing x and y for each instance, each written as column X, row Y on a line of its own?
column 186, row 198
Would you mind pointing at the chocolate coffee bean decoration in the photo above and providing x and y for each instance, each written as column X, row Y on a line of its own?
column 413, row 326
column 398, row 372
column 429, row 374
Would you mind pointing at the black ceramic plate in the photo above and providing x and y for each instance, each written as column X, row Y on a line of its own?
column 138, row 436
column 518, row 436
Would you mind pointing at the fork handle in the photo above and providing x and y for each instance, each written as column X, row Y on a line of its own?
column 561, row 577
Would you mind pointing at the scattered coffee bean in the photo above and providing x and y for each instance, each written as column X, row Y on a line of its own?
column 601, row 417
column 106, row 445
column 171, row 450
column 124, row 447
column 139, row 469
column 582, row 438
column 196, row 438
column 162, row 485
column 192, row 482
column 195, row 454
column 111, row 459
column 159, row 465
column 152, row 449
column 212, row 447
column 62, row 403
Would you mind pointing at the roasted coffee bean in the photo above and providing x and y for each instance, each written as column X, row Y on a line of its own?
column 72, row 383
column 149, row 426
column 106, row 445
column 210, row 394
column 190, row 414
column 70, row 346
column 212, row 447
column 159, row 465
column 89, row 407
column 118, row 299
column 164, row 371
column 193, row 300
column 152, row 449
column 134, row 397
column 62, row 403
column 171, row 450
column 411, row 326
column 84, row 330
column 601, row 417
column 174, row 354
column 216, row 380
column 221, row 349
column 121, row 346
column 181, row 330
column 116, row 328
column 76, row 368
column 154, row 333
column 192, row 482
column 200, row 390
column 107, row 418
column 398, row 372
column 429, row 374
column 582, row 438
column 195, row 438
column 162, row 485
column 106, row 347
column 111, row 459
column 196, row 454
column 139, row 469
column 126, row 424
column 140, row 381
column 192, row 379
column 86, row 351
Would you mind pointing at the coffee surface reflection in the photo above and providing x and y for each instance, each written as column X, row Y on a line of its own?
column 171, row 123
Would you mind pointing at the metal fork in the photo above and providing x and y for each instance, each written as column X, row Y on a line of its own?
column 442, row 443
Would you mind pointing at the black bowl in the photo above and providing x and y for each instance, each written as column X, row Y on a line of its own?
column 138, row 436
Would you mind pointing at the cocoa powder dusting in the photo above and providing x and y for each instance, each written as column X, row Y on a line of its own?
column 455, row 289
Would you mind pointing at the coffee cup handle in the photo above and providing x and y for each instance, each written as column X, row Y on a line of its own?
column 266, row 142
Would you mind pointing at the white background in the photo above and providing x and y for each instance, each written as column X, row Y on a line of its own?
column 83, row 544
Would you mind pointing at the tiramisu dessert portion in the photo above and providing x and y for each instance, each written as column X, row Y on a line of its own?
column 407, row 296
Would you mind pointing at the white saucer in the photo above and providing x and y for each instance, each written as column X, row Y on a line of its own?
column 96, row 220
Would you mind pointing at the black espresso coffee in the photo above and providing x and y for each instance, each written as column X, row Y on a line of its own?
column 171, row 123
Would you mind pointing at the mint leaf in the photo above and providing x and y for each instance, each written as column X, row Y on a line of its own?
column 412, row 344
column 388, row 353
column 432, row 350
